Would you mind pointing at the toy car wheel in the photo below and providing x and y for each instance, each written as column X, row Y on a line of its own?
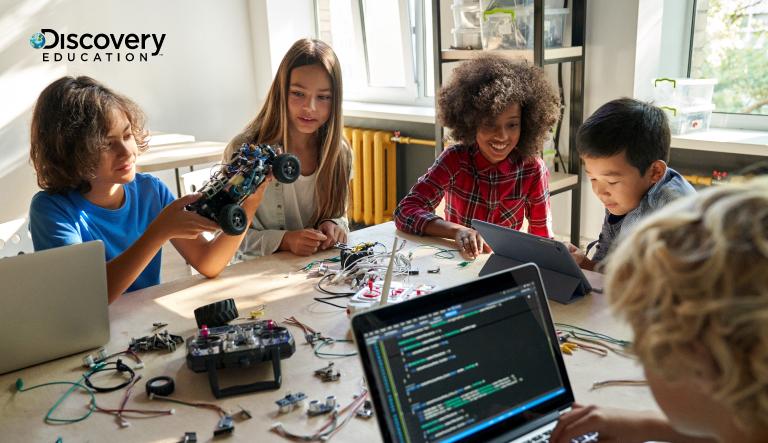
column 233, row 220
column 216, row 314
column 286, row 168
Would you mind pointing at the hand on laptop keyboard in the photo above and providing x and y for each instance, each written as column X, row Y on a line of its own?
column 544, row 438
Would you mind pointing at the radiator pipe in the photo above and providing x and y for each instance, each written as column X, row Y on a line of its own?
column 412, row 141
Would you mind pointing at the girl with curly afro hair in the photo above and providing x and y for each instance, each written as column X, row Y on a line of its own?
column 499, row 112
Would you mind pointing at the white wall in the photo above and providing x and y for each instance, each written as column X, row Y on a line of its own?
column 204, row 84
column 219, row 58
column 612, row 33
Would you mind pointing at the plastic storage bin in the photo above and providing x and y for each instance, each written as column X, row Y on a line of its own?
column 466, row 38
column 508, row 24
column 466, row 16
column 683, row 92
column 684, row 120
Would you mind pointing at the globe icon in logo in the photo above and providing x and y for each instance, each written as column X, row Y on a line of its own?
column 37, row 40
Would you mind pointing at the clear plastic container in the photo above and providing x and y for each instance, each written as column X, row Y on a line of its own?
column 684, row 120
column 466, row 16
column 508, row 24
column 683, row 92
column 466, row 38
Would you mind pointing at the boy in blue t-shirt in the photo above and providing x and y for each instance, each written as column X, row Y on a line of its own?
column 85, row 139
column 625, row 149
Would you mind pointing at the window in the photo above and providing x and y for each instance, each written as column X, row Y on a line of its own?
column 730, row 43
column 384, row 47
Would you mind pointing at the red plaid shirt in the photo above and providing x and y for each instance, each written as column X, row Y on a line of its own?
column 476, row 189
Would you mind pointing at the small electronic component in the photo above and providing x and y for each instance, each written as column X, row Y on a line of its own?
column 245, row 414
column 290, row 402
column 189, row 437
column 88, row 361
column 328, row 373
column 365, row 411
column 369, row 296
column 313, row 337
column 160, row 341
column 351, row 255
column 225, row 426
column 434, row 271
column 317, row 408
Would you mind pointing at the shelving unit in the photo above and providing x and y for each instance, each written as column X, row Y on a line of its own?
column 560, row 182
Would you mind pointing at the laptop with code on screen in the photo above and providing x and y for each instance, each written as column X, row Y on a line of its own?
column 476, row 362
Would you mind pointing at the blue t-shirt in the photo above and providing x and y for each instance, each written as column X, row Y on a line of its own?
column 64, row 219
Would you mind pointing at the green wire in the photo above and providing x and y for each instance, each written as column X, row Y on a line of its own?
column 331, row 354
column 442, row 252
column 311, row 264
column 592, row 334
column 74, row 385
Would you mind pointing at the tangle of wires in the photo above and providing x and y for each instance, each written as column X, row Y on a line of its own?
column 318, row 341
column 336, row 421
column 360, row 264
column 84, row 383
column 618, row 346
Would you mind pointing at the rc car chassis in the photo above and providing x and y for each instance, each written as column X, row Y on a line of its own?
column 233, row 183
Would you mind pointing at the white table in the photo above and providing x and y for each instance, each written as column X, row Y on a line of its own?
column 178, row 155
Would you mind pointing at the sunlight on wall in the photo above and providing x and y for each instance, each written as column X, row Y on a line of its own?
column 14, row 22
column 19, row 96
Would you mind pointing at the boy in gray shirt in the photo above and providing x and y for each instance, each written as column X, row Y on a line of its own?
column 625, row 149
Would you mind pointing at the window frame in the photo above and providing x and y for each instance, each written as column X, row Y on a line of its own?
column 415, row 70
column 726, row 120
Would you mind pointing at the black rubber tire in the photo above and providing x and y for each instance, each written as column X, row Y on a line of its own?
column 216, row 314
column 232, row 219
column 286, row 168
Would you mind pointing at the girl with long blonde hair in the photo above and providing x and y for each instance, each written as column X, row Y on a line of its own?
column 302, row 114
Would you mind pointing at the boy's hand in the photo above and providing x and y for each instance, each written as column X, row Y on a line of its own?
column 303, row 242
column 577, row 254
column 333, row 232
column 174, row 221
column 612, row 425
column 469, row 243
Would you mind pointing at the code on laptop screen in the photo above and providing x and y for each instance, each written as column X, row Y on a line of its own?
column 455, row 372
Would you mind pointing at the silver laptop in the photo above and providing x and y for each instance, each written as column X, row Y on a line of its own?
column 53, row 303
column 476, row 362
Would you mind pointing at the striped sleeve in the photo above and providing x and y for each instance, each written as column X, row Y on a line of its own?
column 417, row 209
column 537, row 209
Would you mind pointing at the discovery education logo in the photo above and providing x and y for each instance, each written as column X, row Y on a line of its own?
column 88, row 47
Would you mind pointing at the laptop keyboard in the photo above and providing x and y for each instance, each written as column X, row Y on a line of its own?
column 544, row 438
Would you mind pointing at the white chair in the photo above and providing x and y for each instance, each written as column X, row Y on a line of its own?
column 15, row 237
column 194, row 180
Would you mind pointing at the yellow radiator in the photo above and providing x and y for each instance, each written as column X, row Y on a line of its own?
column 374, row 176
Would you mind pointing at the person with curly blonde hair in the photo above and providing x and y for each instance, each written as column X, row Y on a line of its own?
column 499, row 112
column 692, row 280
